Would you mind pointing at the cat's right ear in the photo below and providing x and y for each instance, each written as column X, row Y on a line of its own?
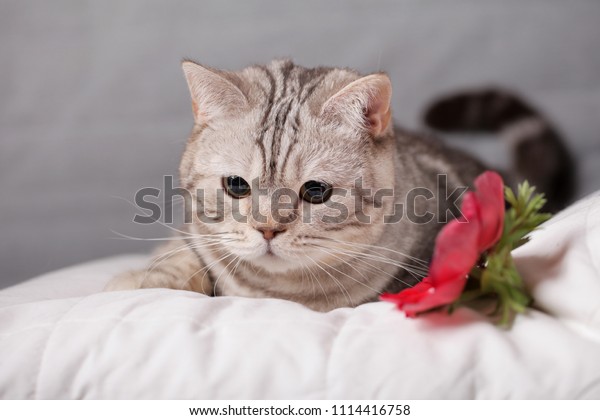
column 213, row 95
column 364, row 104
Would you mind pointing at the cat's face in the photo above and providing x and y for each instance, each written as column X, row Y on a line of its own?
column 276, row 155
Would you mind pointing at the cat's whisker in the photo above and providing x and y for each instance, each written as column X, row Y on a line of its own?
column 350, row 253
column 358, row 244
column 417, row 266
column 336, row 281
column 235, row 258
column 189, row 236
column 157, row 260
column 206, row 269
column 407, row 267
column 345, row 262
column 303, row 275
column 414, row 271
column 316, row 278
column 372, row 266
column 415, row 262
column 209, row 267
column 376, row 258
column 312, row 280
column 148, row 214
column 351, row 278
column 239, row 261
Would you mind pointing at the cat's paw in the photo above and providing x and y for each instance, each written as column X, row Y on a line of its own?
column 130, row 280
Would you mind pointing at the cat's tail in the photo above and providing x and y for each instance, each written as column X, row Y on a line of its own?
column 539, row 153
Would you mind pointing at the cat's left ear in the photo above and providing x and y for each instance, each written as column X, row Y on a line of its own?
column 364, row 103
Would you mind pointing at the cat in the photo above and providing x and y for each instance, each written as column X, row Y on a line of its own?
column 324, row 136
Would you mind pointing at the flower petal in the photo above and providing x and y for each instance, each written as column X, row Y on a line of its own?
column 456, row 250
column 434, row 297
column 410, row 295
column 424, row 296
column 416, row 299
column 490, row 195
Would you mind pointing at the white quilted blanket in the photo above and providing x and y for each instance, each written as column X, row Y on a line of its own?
column 61, row 337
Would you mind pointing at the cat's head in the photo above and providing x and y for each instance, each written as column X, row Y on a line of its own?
column 276, row 155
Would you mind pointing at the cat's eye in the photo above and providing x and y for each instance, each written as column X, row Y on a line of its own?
column 315, row 192
column 236, row 186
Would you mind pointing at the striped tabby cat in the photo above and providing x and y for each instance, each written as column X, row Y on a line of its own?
column 293, row 174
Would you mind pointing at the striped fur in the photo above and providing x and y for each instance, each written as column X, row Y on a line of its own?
column 282, row 125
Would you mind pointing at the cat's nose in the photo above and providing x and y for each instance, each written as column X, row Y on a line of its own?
column 270, row 233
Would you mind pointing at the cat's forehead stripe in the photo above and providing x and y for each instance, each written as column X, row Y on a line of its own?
column 302, row 99
column 275, row 116
column 268, row 107
column 289, row 89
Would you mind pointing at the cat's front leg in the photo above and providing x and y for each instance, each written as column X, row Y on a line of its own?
column 174, row 266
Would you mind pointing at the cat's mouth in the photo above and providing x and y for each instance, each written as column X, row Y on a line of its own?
column 269, row 251
column 273, row 263
column 274, row 260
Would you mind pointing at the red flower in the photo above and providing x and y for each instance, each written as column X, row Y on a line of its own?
column 457, row 248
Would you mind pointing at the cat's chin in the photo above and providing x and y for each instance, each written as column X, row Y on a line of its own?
column 274, row 264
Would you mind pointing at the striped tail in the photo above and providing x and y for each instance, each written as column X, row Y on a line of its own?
column 539, row 153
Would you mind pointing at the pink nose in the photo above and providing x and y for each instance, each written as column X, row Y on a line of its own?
column 270, row 233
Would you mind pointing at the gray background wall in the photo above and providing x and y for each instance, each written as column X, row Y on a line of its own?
column 93, row 105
